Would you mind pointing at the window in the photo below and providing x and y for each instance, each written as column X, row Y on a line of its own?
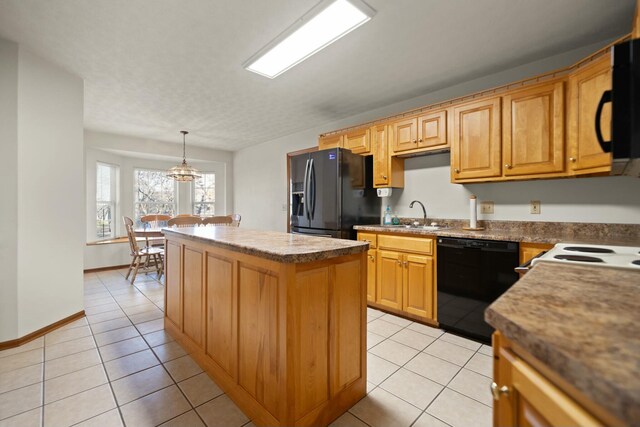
column 204, row 195
column 106, row 198
column 155, row 193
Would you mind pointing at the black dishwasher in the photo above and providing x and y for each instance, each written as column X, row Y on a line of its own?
column 471, row 275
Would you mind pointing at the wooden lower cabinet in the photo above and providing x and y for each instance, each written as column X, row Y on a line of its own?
column 372, row 272
column 417, row 290
column 285, row 341
column 531, row 250
column 390, row 276
column 401, row 276
column 524, row 396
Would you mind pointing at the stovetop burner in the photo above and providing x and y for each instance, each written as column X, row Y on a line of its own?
column 581, row 258
column 589, row 249
column 636, row 262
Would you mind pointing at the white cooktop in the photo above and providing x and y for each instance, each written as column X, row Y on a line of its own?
column 593, row 255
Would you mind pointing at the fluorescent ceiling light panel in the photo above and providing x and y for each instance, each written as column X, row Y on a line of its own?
column 328, row 21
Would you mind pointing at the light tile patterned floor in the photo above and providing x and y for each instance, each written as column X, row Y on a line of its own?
column 118, row 367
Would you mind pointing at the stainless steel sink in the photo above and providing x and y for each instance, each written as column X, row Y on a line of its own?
column 417, row 227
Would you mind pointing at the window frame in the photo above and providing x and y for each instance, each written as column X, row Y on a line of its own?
column 136, row 219
column 113, row 201
column 193, row 194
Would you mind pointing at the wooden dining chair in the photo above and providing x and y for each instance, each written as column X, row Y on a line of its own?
column 149, row 257
column 218, row 220
column 224, row 220
column 185, row 221
column 154, row 221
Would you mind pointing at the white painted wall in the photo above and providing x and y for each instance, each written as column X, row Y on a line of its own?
column 130, row 153
column 260, row 188
column 42, row 153
column 8, row 190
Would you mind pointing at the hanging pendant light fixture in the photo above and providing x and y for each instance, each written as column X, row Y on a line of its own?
column 183, row 172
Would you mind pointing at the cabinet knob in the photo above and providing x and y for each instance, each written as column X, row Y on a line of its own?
column 406, row 264
column 399, row 262
column 572, row 159
column 508, row 166
column 498, row 391
column 372, row 258
column 419, row 139
column 456, row 170
column 414, row 141
column 384, row 176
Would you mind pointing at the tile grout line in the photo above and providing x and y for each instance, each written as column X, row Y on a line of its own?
column 161, row 364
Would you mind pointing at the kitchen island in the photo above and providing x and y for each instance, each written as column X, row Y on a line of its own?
column 277, row 320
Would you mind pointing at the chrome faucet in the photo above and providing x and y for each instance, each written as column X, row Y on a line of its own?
column 424, row 211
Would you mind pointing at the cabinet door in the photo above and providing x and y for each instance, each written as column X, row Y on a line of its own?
column 533, row 130
column 432, row 130
column 371, row 275
column 331, row 141
column 358, row 141
column 476, row 148
column 585, row 90
column 405, row 135
column 389, row 284
column 417, row 292
column 381, row 172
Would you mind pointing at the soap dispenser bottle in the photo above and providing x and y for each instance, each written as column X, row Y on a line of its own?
column 387, row 216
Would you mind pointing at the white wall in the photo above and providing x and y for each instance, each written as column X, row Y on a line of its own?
column 8, row 190
column 260, row 188
column 129, row 153
column 43, row 201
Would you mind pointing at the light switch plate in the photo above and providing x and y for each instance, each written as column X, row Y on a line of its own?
column 535, row 206
column 486, row 207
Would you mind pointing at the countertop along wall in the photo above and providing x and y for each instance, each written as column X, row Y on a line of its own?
column 260, row 187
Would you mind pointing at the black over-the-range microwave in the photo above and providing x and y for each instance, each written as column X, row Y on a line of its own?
column 624, row 97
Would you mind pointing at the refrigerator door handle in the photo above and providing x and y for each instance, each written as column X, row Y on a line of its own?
column 305, row 193
column 312, row 185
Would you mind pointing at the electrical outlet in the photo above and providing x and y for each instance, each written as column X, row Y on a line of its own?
column 486, row 207
column 284, row 207
column 535, row 206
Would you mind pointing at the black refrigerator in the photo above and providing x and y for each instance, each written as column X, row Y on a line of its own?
column 331, row 191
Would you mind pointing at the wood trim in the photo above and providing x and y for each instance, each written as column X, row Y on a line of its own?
column 289, row 155
column 112, row 267
column 40, row 332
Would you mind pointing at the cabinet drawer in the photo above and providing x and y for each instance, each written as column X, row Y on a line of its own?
column 368, row 237
column 410, row 244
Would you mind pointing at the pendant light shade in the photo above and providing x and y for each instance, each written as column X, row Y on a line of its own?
column 183, row 172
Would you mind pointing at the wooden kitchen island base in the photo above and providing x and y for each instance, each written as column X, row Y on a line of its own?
column 280, row 326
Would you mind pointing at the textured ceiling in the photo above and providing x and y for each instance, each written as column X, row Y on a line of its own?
column 153, row 67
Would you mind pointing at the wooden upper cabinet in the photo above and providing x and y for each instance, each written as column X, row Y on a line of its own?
column 476, row 148
column 432, row 130
column 358, row 141
column 387, row 171
column 533, row 130
column 405, row 135
column 330, row 141
column 586, row 87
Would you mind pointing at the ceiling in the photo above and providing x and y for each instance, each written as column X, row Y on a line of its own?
column 153, row 67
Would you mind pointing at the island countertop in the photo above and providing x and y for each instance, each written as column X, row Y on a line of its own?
column 276, row 246
column 582, row 322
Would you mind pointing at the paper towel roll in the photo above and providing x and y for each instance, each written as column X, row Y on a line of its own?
column 473, row 212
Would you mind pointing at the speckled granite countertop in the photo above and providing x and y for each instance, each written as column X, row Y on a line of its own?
column 280, row 247
column 525, row 231
column 582, row 322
